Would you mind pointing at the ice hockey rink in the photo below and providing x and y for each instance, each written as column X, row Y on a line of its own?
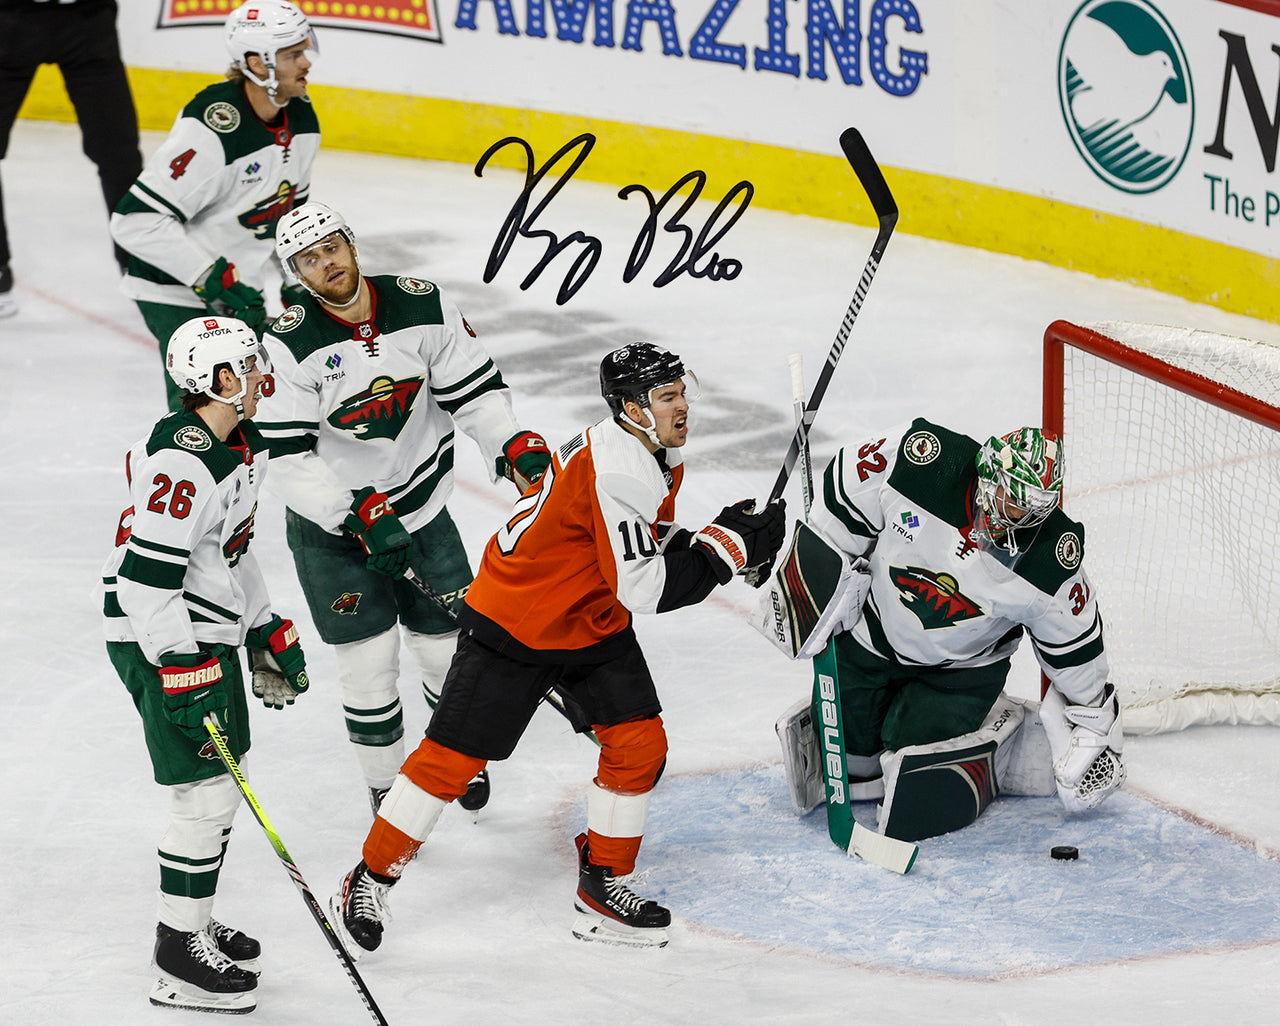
column 1170, row 915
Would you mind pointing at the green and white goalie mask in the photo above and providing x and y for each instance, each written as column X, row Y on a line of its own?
column 1019, row 485
column 816, row 591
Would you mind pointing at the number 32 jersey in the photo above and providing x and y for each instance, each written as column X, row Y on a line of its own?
column 937, row 598
column 581, row 552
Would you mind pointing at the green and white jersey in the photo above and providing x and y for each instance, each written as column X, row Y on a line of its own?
column 905, row 501
column 375, row 403
column 181, row 575
column 216, row 187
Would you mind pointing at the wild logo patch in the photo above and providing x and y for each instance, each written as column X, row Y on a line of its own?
column 922, row 447
column 194, row 438
column 263, row 216
column 381, row 411
column 238, row 540
column 1068, row 550
column 936, row 599
column 415, row 286
column 290, row 319
column 346, row 603
column 222, row 117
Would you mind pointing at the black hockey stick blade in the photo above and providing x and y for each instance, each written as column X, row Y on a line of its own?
column 882, row 202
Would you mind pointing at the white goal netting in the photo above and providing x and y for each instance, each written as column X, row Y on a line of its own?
column 1180, row 501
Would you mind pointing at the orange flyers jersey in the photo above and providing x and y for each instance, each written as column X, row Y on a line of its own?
column 581, row 551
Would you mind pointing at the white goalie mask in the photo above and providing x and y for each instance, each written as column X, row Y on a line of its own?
column 305, row 226
column 203, row 344
column 265, row 27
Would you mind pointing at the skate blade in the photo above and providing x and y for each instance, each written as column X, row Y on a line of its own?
column 590, row 926
column 171, row 992
column 354, row 950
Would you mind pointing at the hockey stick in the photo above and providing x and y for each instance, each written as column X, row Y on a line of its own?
column 552, row 697
column 868, row 171
column 228, row 760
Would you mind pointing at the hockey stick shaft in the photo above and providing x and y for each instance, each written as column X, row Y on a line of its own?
column 796, row 362
column 868, row 171
column 317, row 913
column 552, row 698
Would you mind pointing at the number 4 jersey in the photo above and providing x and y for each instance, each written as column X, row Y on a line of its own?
column 181, row 575
column 939, row 599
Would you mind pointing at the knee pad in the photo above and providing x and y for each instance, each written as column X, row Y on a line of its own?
column 369, row 675
column 632, row 755
column 440, row 771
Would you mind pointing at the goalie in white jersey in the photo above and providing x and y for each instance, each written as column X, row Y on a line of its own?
column 952, row 551
column 371, row 377
column 198, row 223
column 183, row 595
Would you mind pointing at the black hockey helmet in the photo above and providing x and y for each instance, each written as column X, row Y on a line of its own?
column 633, row 371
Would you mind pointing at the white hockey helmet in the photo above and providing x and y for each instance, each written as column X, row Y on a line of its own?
column 265, row 27
column 201, row 345
column 304, row 226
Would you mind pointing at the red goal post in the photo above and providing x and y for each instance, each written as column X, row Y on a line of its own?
column 1171, row 439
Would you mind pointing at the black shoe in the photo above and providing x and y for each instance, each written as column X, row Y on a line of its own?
column 477, row 796
column 610, row 911
column 360, row 910
column 195, row 974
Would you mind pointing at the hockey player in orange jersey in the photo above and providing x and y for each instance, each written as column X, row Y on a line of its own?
column 588, row 545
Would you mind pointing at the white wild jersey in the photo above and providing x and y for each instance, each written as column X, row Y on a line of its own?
column 375, row 404
column 181, row 576
column 216, row 187
column 905, row 501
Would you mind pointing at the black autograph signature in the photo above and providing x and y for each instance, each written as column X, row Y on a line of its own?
column 695, row 257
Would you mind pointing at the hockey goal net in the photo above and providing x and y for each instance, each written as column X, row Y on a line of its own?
column 1172, row 464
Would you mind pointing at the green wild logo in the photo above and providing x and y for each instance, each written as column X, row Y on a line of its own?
column 381, row 411
column 1124, row 86
column 935, row 598
column 263, row 216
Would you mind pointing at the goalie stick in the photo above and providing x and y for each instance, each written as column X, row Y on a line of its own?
column 553, row 698
column 228, row 760
column 847, row 833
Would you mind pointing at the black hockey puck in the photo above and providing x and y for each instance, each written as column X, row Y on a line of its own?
column 1064, row 852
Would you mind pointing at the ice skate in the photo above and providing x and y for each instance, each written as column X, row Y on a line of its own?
column 609, row 911
column 196, row 975
column 360, row 911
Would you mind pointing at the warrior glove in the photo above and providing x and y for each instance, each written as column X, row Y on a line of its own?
column 194, row 686
column 279, row 667
column 745, row 540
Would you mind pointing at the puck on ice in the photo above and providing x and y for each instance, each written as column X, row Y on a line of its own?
column 1064, row 852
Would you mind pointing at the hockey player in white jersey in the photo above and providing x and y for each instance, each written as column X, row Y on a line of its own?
column 199, row 222
column 372, row 376
column 953, row 550
column 182, row 595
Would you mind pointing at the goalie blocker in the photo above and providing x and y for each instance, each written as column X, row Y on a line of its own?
column 815, row 592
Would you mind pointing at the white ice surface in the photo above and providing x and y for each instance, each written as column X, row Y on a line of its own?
column 1168, row 917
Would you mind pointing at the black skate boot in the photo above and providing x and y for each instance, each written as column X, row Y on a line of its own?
column 242, row 949
column 477, row 796
column 194, row 974
column 376, row 794
column 360, row 910
column 610, row 911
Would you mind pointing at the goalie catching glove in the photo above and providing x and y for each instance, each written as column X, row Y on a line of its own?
column 815, row 593
column 374, row 524
column 194, row 687
column 1086, row 741
column 743, row 539
column 226, row 295
column 279, row 667
column 525, row 458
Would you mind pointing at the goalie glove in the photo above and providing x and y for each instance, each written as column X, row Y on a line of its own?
column 1085, row 741
column 225, row 294
column 525, row 458
column 279, row 667
column 816, row 592
column 376, row 527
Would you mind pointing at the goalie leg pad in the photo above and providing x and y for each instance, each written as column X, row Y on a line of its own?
column 935, row 788
column 811, row 595
column 801, row 759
